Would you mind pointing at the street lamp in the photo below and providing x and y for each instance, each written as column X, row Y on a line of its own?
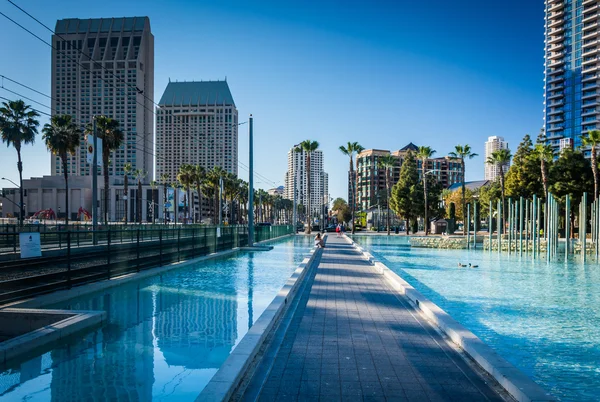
column 4, row 178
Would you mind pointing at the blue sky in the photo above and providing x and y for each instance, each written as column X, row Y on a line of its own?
column 383, row 73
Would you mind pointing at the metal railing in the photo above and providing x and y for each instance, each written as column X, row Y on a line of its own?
column 74, row 257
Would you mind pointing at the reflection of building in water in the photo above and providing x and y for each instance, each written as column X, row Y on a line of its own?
column 114, row 363
column 196, row 329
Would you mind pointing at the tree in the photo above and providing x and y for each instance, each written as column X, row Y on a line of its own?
column 198, row 180
column 349, row 151
column 62, row 137
column 139, row 175
column 491, row 192
column 164, row 179
column 463, row 152
column 500, row 158
column 544, row 154
column 387, row 162
column 592, row 140
column 456, row 198
column 571, row 175
column 112, row 138
column 308, row 146
column 523, row 177
column 18, row 127
column 406, row 194
column 424, row 154
column 127, row 170
column 186, row 179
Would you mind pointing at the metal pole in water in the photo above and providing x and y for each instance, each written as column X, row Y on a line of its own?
column 498, row 222
column 527, row 208
column 584, row 224
column 520, row 226
column 538, row 224
column 567, row 225
column 533, row 225
column 511, row 208
column 547, row 225
column 474, row 224
column 490, row 227
column 468, row 226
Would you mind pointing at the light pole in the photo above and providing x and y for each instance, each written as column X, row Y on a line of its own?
column 250, row 183
column 21, row 204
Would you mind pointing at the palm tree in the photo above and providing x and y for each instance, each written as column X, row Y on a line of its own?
column 18, row 126
column 139, row 175
column 387, row 162
column 349, row 151
column 127, row 170
column 308, row 146
column 198, row 179
column 500, row 158
column 153, row 185
column 425, row 153
column 545, row 154
column 62, row 137
column 463, row 152
column 592, row 140
column 112, row 138
column 164, row 179
column 185, row 178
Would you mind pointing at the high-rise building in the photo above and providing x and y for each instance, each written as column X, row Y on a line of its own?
column 371, row 189
column 571, row 94
column 493, row 144
column 296, row 180
column 196, row 123
column 105, row 66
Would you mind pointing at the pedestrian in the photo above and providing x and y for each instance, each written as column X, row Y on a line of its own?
column 319, row 241
column 338, row 230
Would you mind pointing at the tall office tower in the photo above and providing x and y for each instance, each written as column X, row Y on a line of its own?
column 105, row 67
column 494, row 143
column 571, row 92
column 296, row 180
column 196, row 123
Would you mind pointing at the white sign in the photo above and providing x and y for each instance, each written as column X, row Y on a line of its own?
column 30, row 245
column 90, row 150
column 218, row 232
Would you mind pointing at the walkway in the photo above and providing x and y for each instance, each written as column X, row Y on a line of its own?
column 352, row 338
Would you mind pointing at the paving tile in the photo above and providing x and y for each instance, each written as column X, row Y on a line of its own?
column 352, row 338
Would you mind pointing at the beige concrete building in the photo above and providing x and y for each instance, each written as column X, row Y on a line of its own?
column 494, row 143
column 105, row 66
column 196, row 123
column 296, row 180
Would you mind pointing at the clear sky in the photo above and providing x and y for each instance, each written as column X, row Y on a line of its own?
column 383, row 73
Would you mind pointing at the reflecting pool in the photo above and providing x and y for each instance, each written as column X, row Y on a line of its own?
column 166, row 336
column 543, row 317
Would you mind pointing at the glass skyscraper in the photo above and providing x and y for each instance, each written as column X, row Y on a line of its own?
column 571, row 70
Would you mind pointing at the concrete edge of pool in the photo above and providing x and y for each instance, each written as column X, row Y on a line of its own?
column 231, row 374
column 513, row 380
column 63, row 295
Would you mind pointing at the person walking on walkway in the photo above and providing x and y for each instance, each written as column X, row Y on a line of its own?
column 338, row 230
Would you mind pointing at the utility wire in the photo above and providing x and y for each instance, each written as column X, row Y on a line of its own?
column 39, row 111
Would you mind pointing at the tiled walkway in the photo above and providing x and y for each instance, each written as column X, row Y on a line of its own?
column 351, row 338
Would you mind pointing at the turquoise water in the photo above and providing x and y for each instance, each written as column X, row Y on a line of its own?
column 166, row 336
column 543, row 317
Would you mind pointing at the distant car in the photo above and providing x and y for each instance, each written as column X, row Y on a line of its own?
column 263, row 224
column 331, row 228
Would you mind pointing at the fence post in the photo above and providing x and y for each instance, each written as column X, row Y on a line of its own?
column 178, row 246
column 108, row 241
column 193, row 243
column 69, row 260
column 160, row 246
column 138, row 251
column 15, row 242
column 59, row 238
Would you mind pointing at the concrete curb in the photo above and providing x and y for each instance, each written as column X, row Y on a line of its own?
column 515, row 382
column 23, row 344
column 231, row 373
column 62, row 295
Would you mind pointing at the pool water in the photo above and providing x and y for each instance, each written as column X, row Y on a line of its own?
column 166, row 336
column 543, row 317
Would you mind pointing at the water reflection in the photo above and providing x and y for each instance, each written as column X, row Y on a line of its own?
column 165, row 337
